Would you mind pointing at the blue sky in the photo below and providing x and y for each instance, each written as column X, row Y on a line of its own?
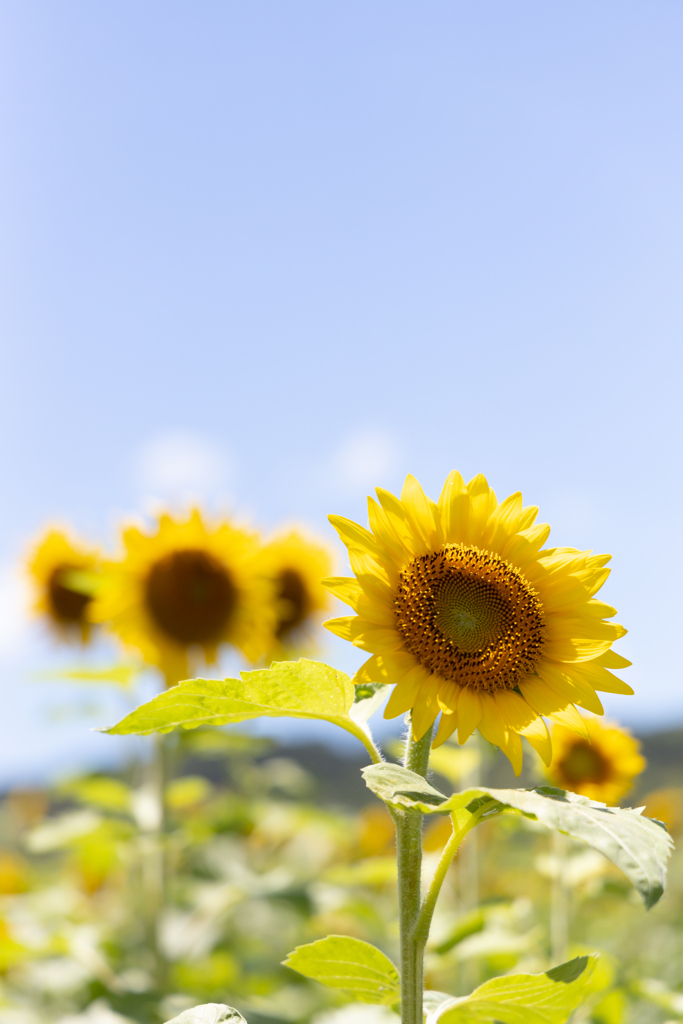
column 274, row 254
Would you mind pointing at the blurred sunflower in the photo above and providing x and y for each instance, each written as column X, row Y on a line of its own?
column 462, row 608
column 602, row 767
column 294, row 566
column 65, row 575
column 186, row 587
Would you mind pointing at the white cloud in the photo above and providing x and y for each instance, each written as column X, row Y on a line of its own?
column 364, row 460
column 179, row 464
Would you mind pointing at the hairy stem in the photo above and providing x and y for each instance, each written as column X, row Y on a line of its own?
column 424, row 919
column 409, row 853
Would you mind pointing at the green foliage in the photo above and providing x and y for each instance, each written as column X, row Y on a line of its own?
column 99, row 791
column 358, row 968
column 293, row 689
column 121, row 675
column 639, row 846
column 468, row 924
column 209, row 1013
column 522, row 998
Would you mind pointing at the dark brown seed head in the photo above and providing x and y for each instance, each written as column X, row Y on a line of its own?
column 190, row 596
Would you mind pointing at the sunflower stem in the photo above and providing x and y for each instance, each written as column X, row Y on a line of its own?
column 424, row 919
column 409, row 855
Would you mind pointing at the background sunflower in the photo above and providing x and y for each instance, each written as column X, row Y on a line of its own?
column 603, row 766
column 64, row 574
column 294, row 565
column 187, row 587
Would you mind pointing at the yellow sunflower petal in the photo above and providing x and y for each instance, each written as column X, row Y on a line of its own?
column 541, row 697
column 610, row 659
column 562, row 628
column 469, row 713
column 376, row 588
column 346, row 588
column 602, row 679
column 491, row 725
column 405, row 693
column 377, row 639
column 355, row 536
column 536, row 733
column 575, row 650
column 512, row 748
column 566, row 682
column 447, row 695
column 363, row 564
column 526, row 544
column 593, row 578
column 454, row 507
column 346, row 626
column 517, row 713
column 447, row 727
column 570, row 717
column 400, row 521
column 482, row 503
column 425, row 709
column 527, row 517
column 371, row 671
column 503, row 523
column 389, row 532
column 378, row 612
column 420, row 510
column 599, row 609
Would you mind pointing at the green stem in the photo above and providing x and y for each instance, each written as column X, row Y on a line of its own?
column 409, row 855
column 368, row 743
column 424, row 919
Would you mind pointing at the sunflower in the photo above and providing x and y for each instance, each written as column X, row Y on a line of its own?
column 186, row 587
column 464, row 610
column 294, row 566
column 602, row 767
column 64, row 575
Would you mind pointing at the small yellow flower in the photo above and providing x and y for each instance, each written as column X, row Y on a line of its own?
column 463, row 609
column 64, row 574
column 601, row 767
column 186, row 587
column 294, row 566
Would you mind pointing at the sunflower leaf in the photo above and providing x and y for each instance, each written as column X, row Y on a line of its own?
column 358, row 968
column 547, row 998
column 209, row 1013
column 639, row 846
column 295, row 689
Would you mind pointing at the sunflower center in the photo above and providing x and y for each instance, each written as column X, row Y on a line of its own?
column 470, row 616
column 67, row 605
column 583, row 763
column 293, row 601
column 191, row 596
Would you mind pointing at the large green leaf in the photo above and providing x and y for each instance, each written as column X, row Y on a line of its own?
column 522, row 998
column 358, row 968
column 209, row 1013
column 639, row 846
column 295, row 689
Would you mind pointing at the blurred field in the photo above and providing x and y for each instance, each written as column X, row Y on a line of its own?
column 268, row 847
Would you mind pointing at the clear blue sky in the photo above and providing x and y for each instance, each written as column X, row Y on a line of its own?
column 275, row 253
